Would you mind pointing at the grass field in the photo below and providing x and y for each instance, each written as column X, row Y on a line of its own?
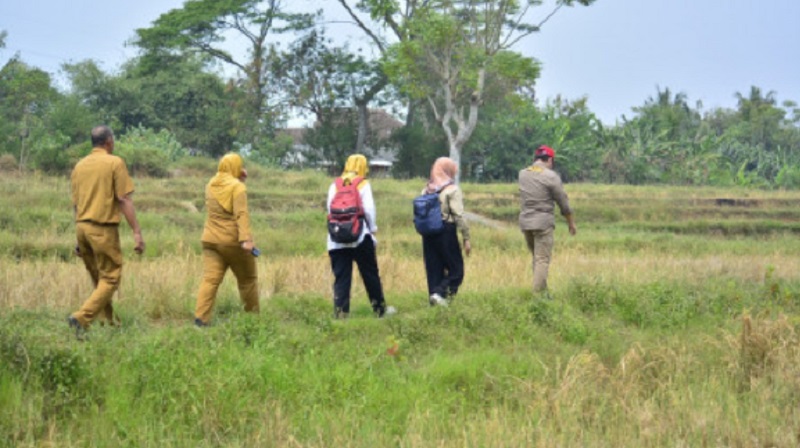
column 674, row 322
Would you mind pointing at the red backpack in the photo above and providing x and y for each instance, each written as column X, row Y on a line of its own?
column 346, row 215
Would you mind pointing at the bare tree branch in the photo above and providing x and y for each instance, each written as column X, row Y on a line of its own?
column 363, row 26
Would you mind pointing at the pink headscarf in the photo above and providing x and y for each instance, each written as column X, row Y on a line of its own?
column 443, row 171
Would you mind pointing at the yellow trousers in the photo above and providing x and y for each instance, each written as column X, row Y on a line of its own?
column 217, row 258
column 540, row 243
column 100, row 250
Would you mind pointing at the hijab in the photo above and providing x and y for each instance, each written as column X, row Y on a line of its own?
column 225, row 184
column 356, row 166
column 443, row 172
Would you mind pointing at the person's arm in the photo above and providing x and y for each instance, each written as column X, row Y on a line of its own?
column 571, row 223
column 74, row 197
column 456, row 205
column 562, row 200
column 368, row 203
column 75, row 219
column 331, row 194
column 127, row 209
column 242, row 216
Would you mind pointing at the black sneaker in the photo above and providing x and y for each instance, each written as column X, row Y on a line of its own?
column 199, row 323
column 339, row 314
column 79, row 330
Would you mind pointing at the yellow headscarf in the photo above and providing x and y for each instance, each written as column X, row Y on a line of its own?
column 226, row 184
column 356, row 166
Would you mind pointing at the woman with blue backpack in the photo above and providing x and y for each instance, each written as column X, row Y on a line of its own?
column 438, row 217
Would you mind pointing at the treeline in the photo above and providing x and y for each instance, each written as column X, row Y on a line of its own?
column 173, row 100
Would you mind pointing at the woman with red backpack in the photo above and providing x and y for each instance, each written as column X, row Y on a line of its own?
column 351, row 229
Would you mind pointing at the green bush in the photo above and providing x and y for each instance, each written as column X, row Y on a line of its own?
column 8, row 162
column 788, row 177
column 143, row 160
column 50, row 154
column 162, row 141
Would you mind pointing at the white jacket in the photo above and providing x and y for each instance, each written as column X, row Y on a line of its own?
column 370, row 223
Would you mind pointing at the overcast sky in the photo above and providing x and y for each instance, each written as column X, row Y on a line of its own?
column 616, row 52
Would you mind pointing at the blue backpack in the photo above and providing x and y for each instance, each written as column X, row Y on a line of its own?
column 428, row 213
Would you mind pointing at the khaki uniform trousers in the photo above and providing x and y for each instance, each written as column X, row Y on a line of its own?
column 540, row 243
column 217, row 258
column 101, row 253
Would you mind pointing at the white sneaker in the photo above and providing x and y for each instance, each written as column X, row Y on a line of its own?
column 389, row 311
column 437, row 300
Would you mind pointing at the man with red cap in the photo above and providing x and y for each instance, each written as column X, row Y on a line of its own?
column 540, row 188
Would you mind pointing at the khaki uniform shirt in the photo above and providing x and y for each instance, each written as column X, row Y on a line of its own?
column 98, row 181
column 452, row 200
column 227, row 228
column 540, row 189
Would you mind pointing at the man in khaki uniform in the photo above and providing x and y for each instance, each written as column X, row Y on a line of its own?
column 101, row 189
column 540, row 189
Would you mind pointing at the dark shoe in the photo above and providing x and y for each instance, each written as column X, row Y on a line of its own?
column 339, row 314
column 199, row 323
column 79, row 330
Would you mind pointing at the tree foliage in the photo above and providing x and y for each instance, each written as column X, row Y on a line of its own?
column 450, row 65
column 201, row 26
column 456, row 50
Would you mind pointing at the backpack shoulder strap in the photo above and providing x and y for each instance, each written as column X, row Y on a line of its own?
column 339, row 182
column 440, row 189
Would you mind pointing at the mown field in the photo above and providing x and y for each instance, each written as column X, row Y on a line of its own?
column 674, row 322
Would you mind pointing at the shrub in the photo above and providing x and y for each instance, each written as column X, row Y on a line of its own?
column 162, row 141
column 788, row 177
column 8, row 163
column 147, row 153
column 143, row 160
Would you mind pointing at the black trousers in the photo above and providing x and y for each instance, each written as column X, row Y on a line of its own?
column 367, row 262
column 444, row 265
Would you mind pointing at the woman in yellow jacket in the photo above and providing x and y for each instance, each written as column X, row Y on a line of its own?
column 227, row 240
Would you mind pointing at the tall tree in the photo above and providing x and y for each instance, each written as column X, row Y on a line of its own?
column 26, row 94
column 202, row 26
column 323, row 80
column 457, row 47
column 383, row 22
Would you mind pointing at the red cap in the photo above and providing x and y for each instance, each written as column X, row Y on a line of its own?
column 545, row 151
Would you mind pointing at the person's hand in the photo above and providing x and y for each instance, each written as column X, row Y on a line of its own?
column 139, row 248
column 467, row 247
column 243, row 175
column 573, row 230
column 248, row 246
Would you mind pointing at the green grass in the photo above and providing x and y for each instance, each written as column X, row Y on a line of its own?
column 673, row 322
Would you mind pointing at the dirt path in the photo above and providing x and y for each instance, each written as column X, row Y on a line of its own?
column 488, row 222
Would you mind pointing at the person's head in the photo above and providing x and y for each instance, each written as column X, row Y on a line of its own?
column 443, row 172
column 356, row 165
column 103, row 137
column 546, row 154
column 231, row 164
column 444, row 167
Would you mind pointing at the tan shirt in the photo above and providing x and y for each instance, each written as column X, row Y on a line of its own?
column 227, row 228
column 99, row 181
column 452, row 201
column 540, row 189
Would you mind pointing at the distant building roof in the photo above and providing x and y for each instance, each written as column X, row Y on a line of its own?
column 381, row 126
